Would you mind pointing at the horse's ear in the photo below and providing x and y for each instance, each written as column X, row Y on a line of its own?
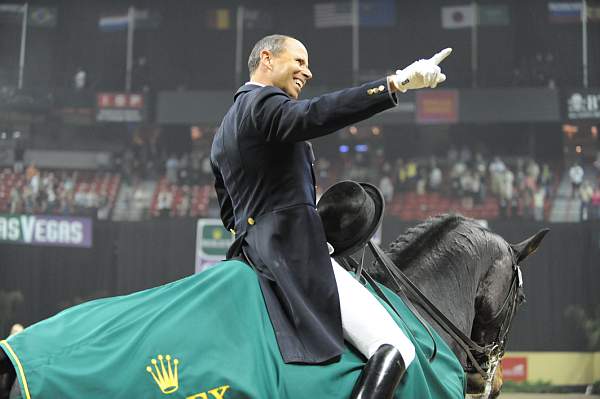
column 529, row 246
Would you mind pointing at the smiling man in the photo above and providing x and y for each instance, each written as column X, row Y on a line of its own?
column 265, row 184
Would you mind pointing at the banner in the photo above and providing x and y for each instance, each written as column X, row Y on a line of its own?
column 437, row 106
column 583, row 104
column 514, row 368
column 212, row 242
column 61, row 231
column 120, row 107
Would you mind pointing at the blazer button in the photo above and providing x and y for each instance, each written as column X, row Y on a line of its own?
column 370, row 91
column 251, row 221
column 381, row 87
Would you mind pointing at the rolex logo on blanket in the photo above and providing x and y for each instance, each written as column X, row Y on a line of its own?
column 207, row 336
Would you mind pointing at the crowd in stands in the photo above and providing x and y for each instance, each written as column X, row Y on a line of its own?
column 493, row 187
column 462, row 181
column 58, row 192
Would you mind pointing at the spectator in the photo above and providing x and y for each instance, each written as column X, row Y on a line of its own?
column 497, row 169
column 401, row 175
column 533, row 170
column 595, row 203
column 387, row 188
column 172, row 167
column 456, row 174
column 576, row 176
column 585, row 193
column 506, row 192
column 80, row 199
column 184, row 205
column 539, row 201
column 411, row 173
column 164, row 202
column 546, row 177
column 435, row 177
column 16, row 329
column 28, row 199
column 16, row 200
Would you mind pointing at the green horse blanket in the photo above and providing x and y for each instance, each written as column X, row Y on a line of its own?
column 207, row 336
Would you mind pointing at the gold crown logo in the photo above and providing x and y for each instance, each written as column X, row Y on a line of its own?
column 165, row 377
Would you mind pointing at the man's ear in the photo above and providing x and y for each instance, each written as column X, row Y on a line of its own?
column 265, row 58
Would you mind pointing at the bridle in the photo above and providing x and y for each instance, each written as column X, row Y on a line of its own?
column 493, row 353
column 483, row 359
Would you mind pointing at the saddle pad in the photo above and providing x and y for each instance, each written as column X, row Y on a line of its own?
column 207, row 336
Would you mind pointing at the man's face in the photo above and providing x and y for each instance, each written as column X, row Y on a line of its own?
column 289, row 68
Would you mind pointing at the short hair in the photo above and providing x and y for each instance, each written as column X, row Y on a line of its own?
column 274, row 43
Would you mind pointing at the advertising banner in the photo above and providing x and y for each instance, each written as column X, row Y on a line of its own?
column 49, row 230
column 120, row 107
column 514, row 369
column 212, row 242
column 583, row 104
column 437, row 106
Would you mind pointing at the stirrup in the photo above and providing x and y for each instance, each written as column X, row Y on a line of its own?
column 381, row 375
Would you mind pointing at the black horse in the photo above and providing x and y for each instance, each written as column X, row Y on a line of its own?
column 468, row 273
column 472, row 276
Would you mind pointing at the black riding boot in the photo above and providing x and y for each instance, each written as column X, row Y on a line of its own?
column 381, row 375
column 7, row 376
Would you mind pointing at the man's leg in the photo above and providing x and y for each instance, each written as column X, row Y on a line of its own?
column 371, row 329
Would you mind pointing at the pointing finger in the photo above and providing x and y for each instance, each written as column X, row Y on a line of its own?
column 439, row 57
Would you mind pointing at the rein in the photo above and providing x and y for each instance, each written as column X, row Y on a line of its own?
column 482, row 358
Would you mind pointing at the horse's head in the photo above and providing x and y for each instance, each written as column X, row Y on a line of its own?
column 499, row 294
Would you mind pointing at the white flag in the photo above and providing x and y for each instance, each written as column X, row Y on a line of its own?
column 456, row 17
column 332, row 15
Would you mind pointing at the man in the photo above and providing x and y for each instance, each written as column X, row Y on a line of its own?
column 266, row 190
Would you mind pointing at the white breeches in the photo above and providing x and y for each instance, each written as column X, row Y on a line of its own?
column 366, row 323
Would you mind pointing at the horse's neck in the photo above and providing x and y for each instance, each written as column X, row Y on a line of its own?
column 452, row 289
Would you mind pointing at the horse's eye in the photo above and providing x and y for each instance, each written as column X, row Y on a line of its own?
column 521, row 299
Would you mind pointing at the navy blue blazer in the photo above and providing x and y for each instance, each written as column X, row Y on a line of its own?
column 265, row 185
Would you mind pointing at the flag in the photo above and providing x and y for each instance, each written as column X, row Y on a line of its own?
column 11, row 14
column 456, row 17
column 42, row 17
column 377, row 13
column 113, row 23
column 143, row 19
column 11, row 8
column 333, row 15
column 493, row 15
column 570, row 12
column 257, row 19
column 218, row 19
column 464, row 16
column 564, row 12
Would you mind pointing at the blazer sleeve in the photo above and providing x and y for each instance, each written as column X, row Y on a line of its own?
column 283, row 119
column 225, row 204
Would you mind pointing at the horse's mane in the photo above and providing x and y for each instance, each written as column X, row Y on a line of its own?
column 436, row 237
column 424, row 236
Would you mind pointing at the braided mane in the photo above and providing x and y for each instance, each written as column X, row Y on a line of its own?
column 442, row 236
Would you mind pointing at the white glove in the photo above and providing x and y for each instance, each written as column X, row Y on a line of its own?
column 422, row 73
